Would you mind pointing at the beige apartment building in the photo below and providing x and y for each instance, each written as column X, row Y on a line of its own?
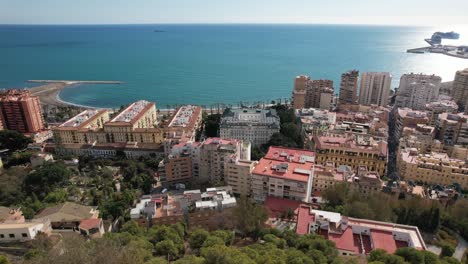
column 432, row 168
column 349, row 87
column 284, row 173
column 352, row 150
column 75, row 129
column 239, row 176
column 460, row 88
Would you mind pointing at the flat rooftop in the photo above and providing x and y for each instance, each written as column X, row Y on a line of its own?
column 82, row 119
column 352, row 142
column 133, row 112
column 186, row 116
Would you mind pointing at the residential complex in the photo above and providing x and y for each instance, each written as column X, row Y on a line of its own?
column 432, row 168
column 406, row 117
column 250, row 125
column 20, row 111
column 354, row 236
column 439, row 107
column 349, row 87
column 209, row 210
column 452, row 129
column 203, row 161
column 375, row 88
column 309, row 93
column 183, row 126
column 417, row 90
column 78, row 129
column 239, row 176
column 284, row 173
column 460, row 88
column 352, row 150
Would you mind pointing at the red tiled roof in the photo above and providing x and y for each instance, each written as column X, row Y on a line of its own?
column 304, row 218
column 346, row 241
column 265, row 168
column 384, row 240
column 283, row 154
column 88, row 224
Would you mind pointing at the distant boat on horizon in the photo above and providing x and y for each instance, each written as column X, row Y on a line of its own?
column 159, row 31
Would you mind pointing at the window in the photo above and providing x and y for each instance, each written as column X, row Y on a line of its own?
column 24, row 235
column 12, row 235
column 2, row 236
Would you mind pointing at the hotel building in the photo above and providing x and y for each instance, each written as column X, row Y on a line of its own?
column 20, row 111
column 76, row 129
column 432, row 168
column 349, row 88
column 375, row 88
column 352, row 150
column 250, row 125
column 284, row 173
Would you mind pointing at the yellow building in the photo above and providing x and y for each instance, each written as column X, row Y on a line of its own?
column 239, row 176
column 137, row 123
column 75, row 130
column 433, row 168
column 352, row 150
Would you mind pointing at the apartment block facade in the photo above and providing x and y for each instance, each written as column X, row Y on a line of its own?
column 20, row 111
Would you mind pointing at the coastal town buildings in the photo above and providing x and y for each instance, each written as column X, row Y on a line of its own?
column 20, row 111
column 417, row 90
column 209, row 210
column 67, row 215
column 420, row 137
column 354, row 236
column 349, row 88
column 202, row 161
column 250, row 125
column 375, row 88
column 284, row 173
column 460, row 88
column 443, row 105
column 353, row 150
column 78, row 129
column 183, row 126
column 452, row 129
column 239, row 176
column 319, row 94
column 432, row 168
column 299, row 91
column 406, row 117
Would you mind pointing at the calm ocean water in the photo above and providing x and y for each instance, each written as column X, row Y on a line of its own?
column 208, row 64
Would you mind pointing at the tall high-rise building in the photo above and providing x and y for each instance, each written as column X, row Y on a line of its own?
column 299, row 92
column 375, row 87
column 21, row 111
column 417, row 90
column 460, row 88
column 315, row 91
column 349, row 87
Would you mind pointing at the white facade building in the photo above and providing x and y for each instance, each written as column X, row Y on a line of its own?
column 253, row 125
column 417, row 90
column 375, row 88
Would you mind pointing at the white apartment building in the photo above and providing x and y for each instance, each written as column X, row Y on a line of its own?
column 375, row 88
column 252, row 125
column 417, row 90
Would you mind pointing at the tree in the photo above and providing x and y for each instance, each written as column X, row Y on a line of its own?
column 213, row 240
column 4, row 260
column 13, row 140
column 197, row 238
column 410, row 255
column 212, row 125
column 447, row 250
column 190, row 259
column 249, row 217
column 45, row 179
column 166, row 248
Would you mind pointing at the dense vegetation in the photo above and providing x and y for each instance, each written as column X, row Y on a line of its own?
column 93, row 183
column 13, row 140
column 211, row 123
column 290, row 134
column 426, row 214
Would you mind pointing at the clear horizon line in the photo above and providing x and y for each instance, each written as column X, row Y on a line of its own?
column 214, row 23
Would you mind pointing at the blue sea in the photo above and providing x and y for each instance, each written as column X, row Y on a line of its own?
column 209, row 64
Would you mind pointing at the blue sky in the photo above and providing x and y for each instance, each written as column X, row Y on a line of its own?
column 407, row 12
